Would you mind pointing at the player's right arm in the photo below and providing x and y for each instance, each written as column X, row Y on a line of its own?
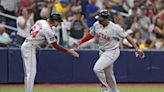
column 50, row 37
column 69, row 51
column 88, row 36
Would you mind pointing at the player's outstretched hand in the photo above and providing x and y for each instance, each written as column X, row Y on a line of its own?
column 140, row 53
column 77, row 43
column 73, row 53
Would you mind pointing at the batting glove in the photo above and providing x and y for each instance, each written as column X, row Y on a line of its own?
column 139, row 53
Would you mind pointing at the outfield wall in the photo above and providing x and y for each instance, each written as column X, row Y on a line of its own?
column 57, row 67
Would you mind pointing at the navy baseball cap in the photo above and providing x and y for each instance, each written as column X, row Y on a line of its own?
column 104, row 14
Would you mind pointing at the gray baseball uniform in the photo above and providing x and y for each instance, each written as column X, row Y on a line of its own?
column 108, row 39
column 40, row 32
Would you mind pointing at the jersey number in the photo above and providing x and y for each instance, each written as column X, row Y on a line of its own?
column 34, row 30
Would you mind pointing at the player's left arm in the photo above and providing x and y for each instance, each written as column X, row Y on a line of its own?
column 129, row 38
column 122, row 33
column 139, row 52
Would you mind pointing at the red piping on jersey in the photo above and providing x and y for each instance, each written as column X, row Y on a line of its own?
column 58, row 47
column 86, row 38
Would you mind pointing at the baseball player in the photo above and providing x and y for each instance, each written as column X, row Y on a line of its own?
column 107, row 34
column 40, row 32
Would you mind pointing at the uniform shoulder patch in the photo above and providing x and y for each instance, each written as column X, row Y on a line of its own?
column 52, row 38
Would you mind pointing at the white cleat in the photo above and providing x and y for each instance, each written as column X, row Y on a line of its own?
column 116, row 91
column 103, row 89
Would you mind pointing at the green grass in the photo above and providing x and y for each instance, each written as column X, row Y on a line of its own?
column 84, row 89
column 142, row 89
column 38, row 89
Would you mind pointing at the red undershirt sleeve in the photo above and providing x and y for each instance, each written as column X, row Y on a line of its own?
column 86, row 38
column 58, row 47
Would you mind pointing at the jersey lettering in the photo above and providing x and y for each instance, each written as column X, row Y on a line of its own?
column 35, row 29
column 100, row 35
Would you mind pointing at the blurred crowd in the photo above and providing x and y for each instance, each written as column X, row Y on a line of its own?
column 142, row 19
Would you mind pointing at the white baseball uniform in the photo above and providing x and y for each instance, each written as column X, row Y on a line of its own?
column 108, row 39
column 40, row 33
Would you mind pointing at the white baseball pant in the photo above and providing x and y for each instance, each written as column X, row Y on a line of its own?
column 104, row 68
column 28, row 52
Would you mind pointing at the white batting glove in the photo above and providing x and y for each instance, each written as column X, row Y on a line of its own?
column 139, row 53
